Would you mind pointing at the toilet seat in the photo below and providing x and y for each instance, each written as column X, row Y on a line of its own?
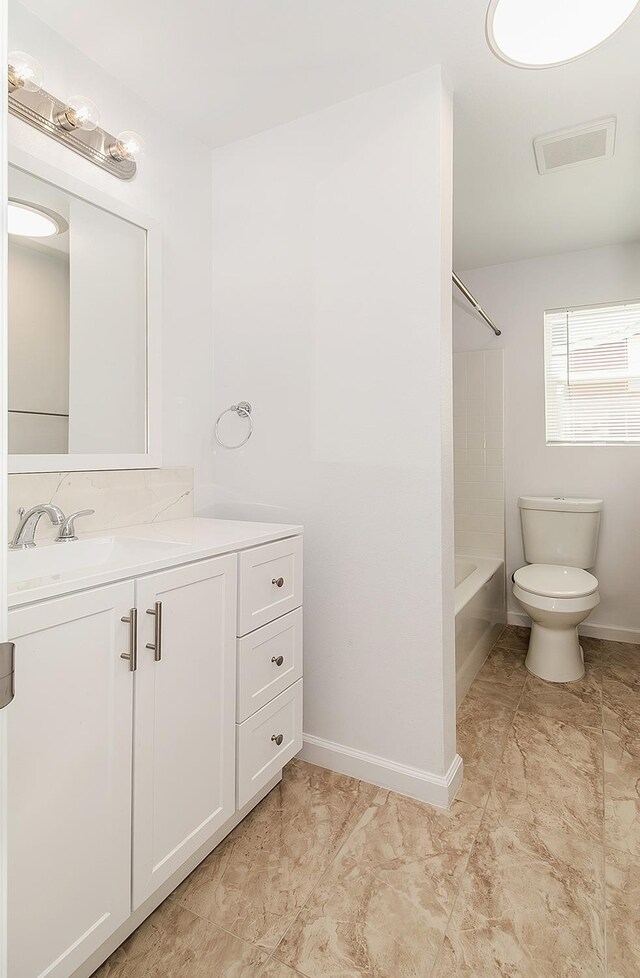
column 555, row 581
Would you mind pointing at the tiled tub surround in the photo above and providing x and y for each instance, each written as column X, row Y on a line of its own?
column 533, row 872
column 479, row 509
column 479, row 453
column 120, row 498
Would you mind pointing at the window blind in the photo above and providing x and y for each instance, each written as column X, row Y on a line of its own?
column 592, row 375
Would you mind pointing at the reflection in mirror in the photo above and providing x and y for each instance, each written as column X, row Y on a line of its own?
column 77, row 288
column 547, row 238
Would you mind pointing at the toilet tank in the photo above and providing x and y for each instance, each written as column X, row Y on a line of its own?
column 560, row 530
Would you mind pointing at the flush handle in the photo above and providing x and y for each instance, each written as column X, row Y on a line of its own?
column 132, row 655
column 156, row 645
column 278, row 581
column 278, row 738
column 278, row 659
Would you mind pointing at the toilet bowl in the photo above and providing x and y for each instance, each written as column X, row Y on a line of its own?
column 557, row 598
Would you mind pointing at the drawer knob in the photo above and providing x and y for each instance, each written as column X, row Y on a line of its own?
column 278, row 738
column 278, row 659
column 278, row 581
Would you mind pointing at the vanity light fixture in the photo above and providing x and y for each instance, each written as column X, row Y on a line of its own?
column 32, row 221
column 547, row 33
column 74, row 122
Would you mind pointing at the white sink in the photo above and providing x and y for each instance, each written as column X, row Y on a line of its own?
column 54, row 559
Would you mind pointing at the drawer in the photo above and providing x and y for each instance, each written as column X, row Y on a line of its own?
column 269, row 583
column 259, row 756
column 269, row 661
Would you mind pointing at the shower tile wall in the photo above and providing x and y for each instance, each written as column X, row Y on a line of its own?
column 478, row 431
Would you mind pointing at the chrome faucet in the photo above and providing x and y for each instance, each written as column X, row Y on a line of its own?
column 23, row 538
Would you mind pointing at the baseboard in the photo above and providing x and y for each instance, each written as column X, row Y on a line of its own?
column 518, row 618
column 590, row 629
column 438, row 790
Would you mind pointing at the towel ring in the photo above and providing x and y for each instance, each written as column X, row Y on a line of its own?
column 243, row 410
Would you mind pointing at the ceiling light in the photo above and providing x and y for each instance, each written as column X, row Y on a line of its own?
column 30, row 221
column 545, row 33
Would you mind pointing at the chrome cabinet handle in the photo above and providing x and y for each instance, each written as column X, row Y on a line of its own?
column 278, row 581
column 278, row 738
column 278, row 659
column 156, row 646
column 7, row 673
column 132, row 655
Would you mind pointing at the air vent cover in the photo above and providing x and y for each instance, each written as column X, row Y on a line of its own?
column 573, row 147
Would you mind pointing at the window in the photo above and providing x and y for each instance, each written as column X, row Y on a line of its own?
column 592, row 375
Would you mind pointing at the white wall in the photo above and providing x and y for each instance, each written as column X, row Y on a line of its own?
column 173, row 185
column 478, row 440
column 516, row 295
column 332, row 267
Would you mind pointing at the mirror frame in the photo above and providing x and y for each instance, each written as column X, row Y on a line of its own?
column 152, row 457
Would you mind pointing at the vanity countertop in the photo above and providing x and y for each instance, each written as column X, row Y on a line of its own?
column 132, row 551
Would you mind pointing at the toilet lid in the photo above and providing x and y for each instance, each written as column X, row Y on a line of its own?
column 555, row 580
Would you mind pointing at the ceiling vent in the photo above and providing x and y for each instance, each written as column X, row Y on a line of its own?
column 573, row 147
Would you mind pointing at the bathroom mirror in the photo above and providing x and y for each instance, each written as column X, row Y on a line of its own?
column 82, row 343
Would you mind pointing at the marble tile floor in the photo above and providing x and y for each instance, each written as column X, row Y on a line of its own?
column 534, row 873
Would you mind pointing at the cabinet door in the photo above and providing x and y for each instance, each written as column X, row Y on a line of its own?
column 69, row 781
column 184, row 750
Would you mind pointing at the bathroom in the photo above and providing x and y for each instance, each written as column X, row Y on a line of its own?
column 246, row 392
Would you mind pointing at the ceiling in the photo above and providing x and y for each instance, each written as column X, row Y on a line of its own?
column 231, row 68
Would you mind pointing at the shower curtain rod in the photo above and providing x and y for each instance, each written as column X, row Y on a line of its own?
column 476, row 305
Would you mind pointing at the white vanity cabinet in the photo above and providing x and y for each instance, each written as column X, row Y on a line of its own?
column 69, row 780
column 149, row 718
column 183, row 786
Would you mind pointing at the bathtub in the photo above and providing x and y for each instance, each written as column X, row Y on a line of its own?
column 480, row 606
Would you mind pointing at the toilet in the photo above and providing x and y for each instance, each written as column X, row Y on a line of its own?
column 556, row 590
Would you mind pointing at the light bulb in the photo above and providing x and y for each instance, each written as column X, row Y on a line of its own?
column 24, row 72
column 128, row 146
column 79, row 113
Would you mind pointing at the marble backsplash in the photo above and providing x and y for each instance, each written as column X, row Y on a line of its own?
column 120, row 498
